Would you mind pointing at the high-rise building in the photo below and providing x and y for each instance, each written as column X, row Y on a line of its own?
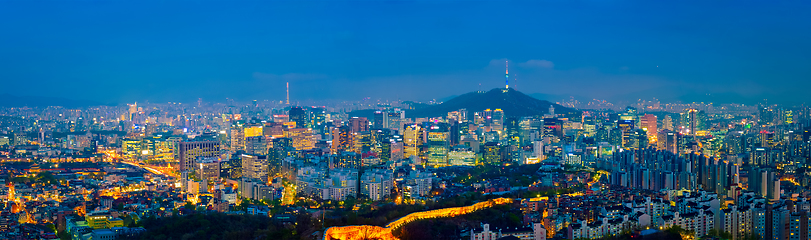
column 255, row 166
column 359, row 124
column 379, row 120
column 462, row 156
column 237, row 136
column 362, row 142
column 668, row 141
column 341, row 139
column 257, row 145
column 766, row 115
column 253, row 130
column 491, row 153
column 412, row 140
column 627, row 129
column 690, row 121
column 207, row 168
column 302, row 138
column 189, row 151
column 648, row 123
column 318, row 118
column 437, row 147
column 667, row 123
column 299, row 116
column 133, row 109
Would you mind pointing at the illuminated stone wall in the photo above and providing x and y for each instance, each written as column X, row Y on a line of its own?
column 375, row 232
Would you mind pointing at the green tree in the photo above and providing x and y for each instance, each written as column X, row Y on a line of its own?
column 119, row 206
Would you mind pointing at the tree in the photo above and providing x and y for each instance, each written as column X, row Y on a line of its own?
column 350, row 202
column 119, row 206
column 189, row 206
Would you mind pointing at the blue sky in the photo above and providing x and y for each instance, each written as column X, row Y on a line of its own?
column 123, row 51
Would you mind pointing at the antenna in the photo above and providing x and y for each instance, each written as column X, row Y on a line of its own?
column 507, row 75
column 288, row 93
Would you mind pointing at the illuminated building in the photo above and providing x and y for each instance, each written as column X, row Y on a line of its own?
column 391, row 149
column 161, row 149
column 335, row 184
column 377, row 183
column 788, row 117
column 133, row 109
column 255, row 166
column 668, row 141
column 237, row 136
column 208, row 168
column 252, row 131
column 255, row 189
column 318, row 120
column 498, row 119
column 299, row 116
column 470, row 141
column 273, row 129
column 766, row 116
column 491, row 153
column 342, row 139
column 379, row 136
column 648, row 123
column 462, row 156
column 362, row 142
column 691, row 120
column 302, row 138
column 627, row 129
column 437, row 146
column 102, row 220
column 395, row 120
column 359, row 124
column 412, row 140
column 256, row 145
column 131, row 148
column 637, row 139
column 380, row 119
column 667, row 123
column 189, row 151
column 349, row 160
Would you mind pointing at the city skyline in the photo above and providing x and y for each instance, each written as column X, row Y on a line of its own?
column 391, row 120
column 713, row 52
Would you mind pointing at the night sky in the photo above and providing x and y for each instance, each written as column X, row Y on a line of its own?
column 124, row 51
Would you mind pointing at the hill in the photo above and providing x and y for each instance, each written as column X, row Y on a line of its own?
column 512, row 102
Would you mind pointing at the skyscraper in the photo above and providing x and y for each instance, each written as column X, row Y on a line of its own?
column 648, row 123
column 627, row 128
column 189, row 151
column 255, row 166
column 691, row 121
column 341, row 139
column 412, row 140
column 257, row 145
column 667, row 123
column 237, row 136
column 299, row 115
column 437, row 146
column 359, row 124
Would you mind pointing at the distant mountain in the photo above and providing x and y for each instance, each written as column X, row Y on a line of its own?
column 7, row 100
column 512, row 102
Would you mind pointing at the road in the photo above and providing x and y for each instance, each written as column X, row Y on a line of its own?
column 148, row 168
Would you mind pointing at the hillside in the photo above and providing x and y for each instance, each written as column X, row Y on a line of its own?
column 512, row 102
